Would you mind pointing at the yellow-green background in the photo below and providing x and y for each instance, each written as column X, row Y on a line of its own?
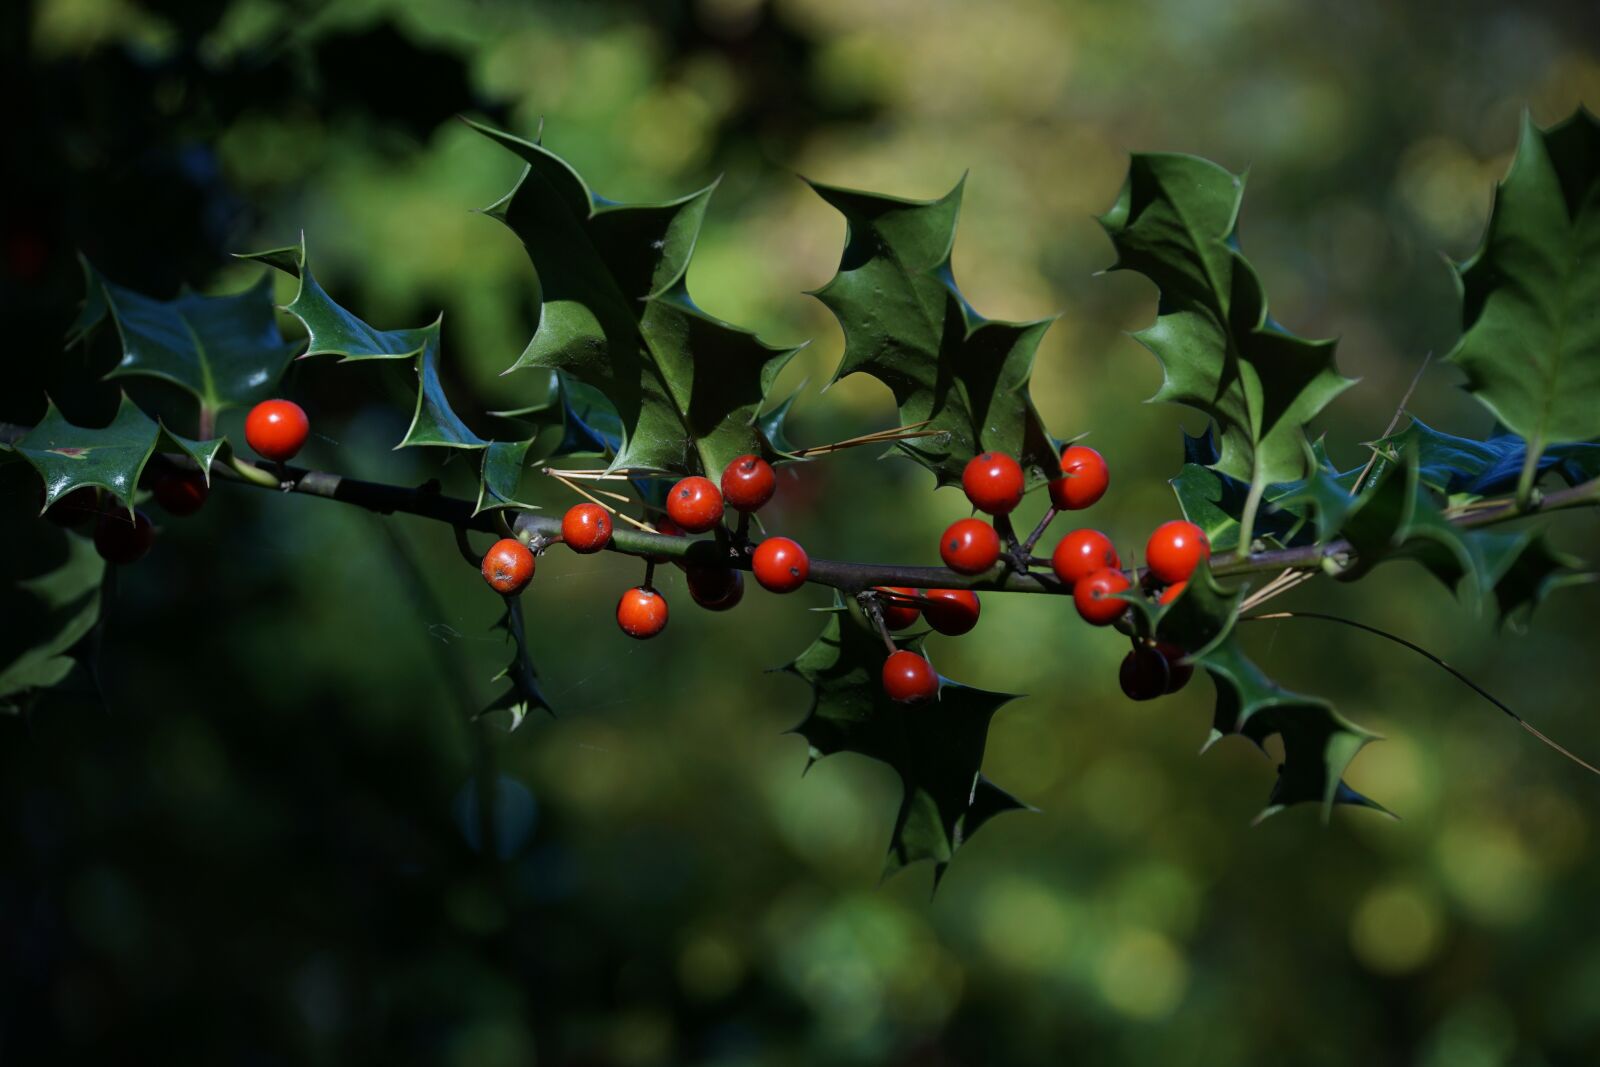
column 257, row 853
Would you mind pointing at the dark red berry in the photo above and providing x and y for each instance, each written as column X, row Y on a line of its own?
column 969, row 546
column 75, row 508
column 121, row 538
column 1080, row 554
column 900, row 607
column 1175, row 550
column 180, row 493
column 1083, row 480
column 586, row 528
column 695, row 504
column 1179, row 671
column 1144, row 674
column 748, row 483
column 952, row 612
column 508, row 566
column 993, row 482
column 1096, row 599
column 780, row 565
column 642, row 613
column 909, row 678
column 714, row 587
column 276, row 429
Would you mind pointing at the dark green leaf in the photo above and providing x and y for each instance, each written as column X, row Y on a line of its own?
column 1530, row 294
column 937, row 749
column 69, row 457
column 615, row 314
column 1202, row 615
column 1175, row 222
column 524, row 693
column 906, row 324
column 225, row 350
column 45, row 616
column 1318, row 742
column 503, row 464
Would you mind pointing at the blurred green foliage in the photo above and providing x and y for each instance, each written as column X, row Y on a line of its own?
column 267, row 849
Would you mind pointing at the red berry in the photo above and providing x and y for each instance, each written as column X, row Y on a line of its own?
column 1175, row 550
column 695, row 504
column 900, row 608
column 276, row 429
column 1083, row 481
column 909, row 678
column 1081, row 553
column 952, row 612
column 586, row 528
column 180, row 493
column 75, row 508
column 1172, row 592
column 993, row 482
column 1179, row 672
column 780, row 565
column 748, row 483
column 642, row 613
column 969, row 546
column 1096, row 599
column 120, row 539
column 715, row 588
column 508, row 566
column 1144, row 674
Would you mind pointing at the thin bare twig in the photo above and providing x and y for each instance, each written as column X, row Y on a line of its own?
column 1395, row 421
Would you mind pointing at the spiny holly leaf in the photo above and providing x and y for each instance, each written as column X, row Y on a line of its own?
column 333, row 331
column 204, row 453
column 434, row 422
column 1176, row 222
column 1215, row 502
column 70, row 457
column 1203, row 614
column 524, row 694
column 1523, row 568
column 1318, row 742
column 937, row 749
column 42, row 618
column 501, row 476
column 1461, row 466
column 225, row 350
column 615, row 313
column 1531, row 346
column 906, row 324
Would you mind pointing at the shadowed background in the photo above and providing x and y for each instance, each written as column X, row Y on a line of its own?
column 265, row 849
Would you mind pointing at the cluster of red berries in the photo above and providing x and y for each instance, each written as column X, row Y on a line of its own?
column 275, row 429
column 1084, row 561
column 694, row 505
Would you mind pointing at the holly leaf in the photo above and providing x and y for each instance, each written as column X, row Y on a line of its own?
column 1318, row 742
column 71, row 457
column 1460, row 466
column 43, row 616
column 226, row 351
column 1203, row 614
column 937, row 749
column 330, row 329
column 906, row 323
column 615, row 313
column 1176, row 222
column 1530, row 345
column 524, row 693
column 1522, row 569
column 1216, row 502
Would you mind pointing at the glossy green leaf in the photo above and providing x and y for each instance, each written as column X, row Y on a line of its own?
column 1203, row 614
column 434, row 421
column 1318, row 742
column 524, row 693
column 906, row 324
column 1461, row 467
column 69, row 457
column 204, row 453
column 937, row 749
column 227, row 351
column 615, row 313
column 1176, row 222
column 501, row 475
column 333, row 331
column 1531, row 293
column 44, row 617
